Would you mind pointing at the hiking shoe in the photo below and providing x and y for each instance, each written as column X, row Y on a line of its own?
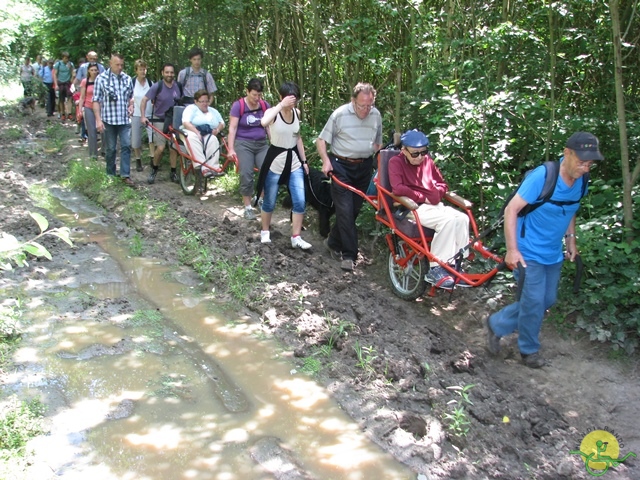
column 298, row 242
column 152, row 176
column 439, row 277
column 493, row 341
column 347, row 265
column 336, row 255
column 253, row 201
column 265, row 236
column 249, row 213
column 173, row 176
column 139, row 165
column 533, row 360
column 127, row 181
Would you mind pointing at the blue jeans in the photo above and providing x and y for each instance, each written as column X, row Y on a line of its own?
column 111, row 134
column 539, row 293
column 296, row 187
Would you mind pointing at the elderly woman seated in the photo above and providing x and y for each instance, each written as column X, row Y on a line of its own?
column 201, row 123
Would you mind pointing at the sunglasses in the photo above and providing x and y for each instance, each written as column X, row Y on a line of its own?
column 417, row 154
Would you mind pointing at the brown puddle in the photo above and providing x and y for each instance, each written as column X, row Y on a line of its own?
column 213, row 400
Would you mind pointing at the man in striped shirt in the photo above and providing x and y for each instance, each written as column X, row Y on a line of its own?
column 354, row 132
column 113, row 106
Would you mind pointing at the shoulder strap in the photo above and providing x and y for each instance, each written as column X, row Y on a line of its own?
column 263, row 105
column 242, row 106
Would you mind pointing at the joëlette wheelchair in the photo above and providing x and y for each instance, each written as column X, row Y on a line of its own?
column 191, row 179
column 409, row 242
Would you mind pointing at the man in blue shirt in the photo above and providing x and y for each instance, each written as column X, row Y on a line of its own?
column 534, row 242
column 113, row 106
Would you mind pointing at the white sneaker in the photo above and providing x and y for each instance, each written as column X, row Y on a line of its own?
column 265, row 236
column 298, row 242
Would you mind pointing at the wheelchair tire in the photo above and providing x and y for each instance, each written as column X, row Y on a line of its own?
column 407, row 283
column 188, row 177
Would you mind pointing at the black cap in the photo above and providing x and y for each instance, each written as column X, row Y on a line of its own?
column 585, row 145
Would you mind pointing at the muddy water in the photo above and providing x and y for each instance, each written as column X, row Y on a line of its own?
column 193, row 394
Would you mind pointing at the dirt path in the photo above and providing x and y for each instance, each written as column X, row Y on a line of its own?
column 522, row 423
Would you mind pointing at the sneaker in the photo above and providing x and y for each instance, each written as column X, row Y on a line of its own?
column 439, row 277
column 139, row 165
column 298, row 242
column 265, row 236
column 347, row 265
column 127, row 181
column 493, row 341
column 253, row 201
column 152, row 176
column 174, row 177
column 533, row 360
column 211, row 173
column 249, row 213
column 336, row 255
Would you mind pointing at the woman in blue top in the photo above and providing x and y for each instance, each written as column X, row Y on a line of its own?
column 201, row 124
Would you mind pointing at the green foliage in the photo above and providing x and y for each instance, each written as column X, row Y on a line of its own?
column 608, row 303
column 14, row 251
column 311, row 366
column 241, row 276
column 19, row 421
column 135, row 245
column 365, row 357
column 10, row 314
column 457, row 421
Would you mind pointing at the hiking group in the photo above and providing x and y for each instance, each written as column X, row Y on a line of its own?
column 539, row 218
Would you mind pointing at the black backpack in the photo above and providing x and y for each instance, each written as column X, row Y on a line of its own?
column 550, row 180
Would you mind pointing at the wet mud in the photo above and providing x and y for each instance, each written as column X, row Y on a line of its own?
column 397, row 368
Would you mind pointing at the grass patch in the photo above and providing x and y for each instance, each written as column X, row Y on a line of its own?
column 19, row 422
column 87, row 178
column 41, row 196
column 147, row 318
column 230, row 183
column 170, row 386
column 241, row 276
column 55, row 138
column 311, row 366
column 135, row 245
column 13, row 133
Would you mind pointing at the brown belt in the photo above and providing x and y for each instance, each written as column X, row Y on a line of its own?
column 351, row 160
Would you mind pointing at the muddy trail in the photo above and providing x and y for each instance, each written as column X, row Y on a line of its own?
column 415, row 376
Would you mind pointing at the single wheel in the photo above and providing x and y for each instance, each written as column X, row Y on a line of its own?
column 407, row 282
column 188, row 177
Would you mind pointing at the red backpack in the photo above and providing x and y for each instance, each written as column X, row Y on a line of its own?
column 263, row 106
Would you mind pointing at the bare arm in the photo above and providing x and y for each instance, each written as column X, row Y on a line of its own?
column 83, row 94
column 321, row 146
column 55, row 78
column 513, row 255
column 570, row 240
column 96, row 112
column 143, row 109
column 231, row 138
column 303, row 155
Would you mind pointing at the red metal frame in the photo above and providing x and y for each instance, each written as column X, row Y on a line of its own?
column 420, row 246
column 176, row 143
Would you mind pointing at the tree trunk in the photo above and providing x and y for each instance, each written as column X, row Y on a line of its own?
column 627, row 203
column 552, row 84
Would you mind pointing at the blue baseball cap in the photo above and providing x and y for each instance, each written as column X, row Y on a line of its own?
column 585, row 145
